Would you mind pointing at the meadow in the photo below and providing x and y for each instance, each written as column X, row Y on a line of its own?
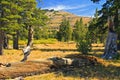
column 105, row 70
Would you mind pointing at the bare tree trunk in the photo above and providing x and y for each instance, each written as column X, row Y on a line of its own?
column 118, row 41
column 111, row 46
column 118, row 23
column 1, row 42
column 30, row 36
column 1, row 31
column 6, row 41
column 15, row 40
column 26, row 50
column 111, row 42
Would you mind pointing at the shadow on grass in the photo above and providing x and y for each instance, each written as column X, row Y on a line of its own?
column 99, row 70
column 64, row 50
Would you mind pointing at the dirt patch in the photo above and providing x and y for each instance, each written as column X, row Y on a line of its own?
column 84, row 66
column 28, row 68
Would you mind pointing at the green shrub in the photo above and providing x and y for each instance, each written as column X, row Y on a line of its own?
column 84, row 44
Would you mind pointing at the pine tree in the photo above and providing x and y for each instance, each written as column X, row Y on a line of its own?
column 65, row 31
column 109, row 10
column 32, row 17
column 82, row 37
column 76, row 31
column 16, row 10
column 40, row 23
column 68, row 32
column 8, row 19
column 16, row 15
column 28, row 18
column 79, row 30
column 95, row 29
column 3, row 21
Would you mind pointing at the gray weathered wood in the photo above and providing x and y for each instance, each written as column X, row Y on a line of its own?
column 26, row 52
column 111, row 46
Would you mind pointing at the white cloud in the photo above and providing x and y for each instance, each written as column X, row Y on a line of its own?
column 65, row 7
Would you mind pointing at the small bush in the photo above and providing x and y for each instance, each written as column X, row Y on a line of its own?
column 84, row 44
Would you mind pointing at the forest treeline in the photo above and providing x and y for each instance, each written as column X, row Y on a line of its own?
column 23, row 20
column 18, row 18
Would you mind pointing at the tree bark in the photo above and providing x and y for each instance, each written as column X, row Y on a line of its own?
column 30, row 36
column 1, row 42
column 6, row 41
column 119, row 30
column 1, row 31
column 111, row 42
column 26, row 50
column 111, row 46
column 15, row 40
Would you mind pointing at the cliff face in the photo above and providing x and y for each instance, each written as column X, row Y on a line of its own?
column 56, row 18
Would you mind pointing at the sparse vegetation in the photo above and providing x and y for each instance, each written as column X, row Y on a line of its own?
column 22, row 22
column 40, row 41
column 105, row 70
column 45, row 41
column 82, row 37
column 65, row 31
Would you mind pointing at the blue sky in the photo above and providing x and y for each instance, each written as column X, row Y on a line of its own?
column 77, row 7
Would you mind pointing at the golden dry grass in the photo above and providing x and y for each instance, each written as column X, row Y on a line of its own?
column 11, row 56
column 52, row 76
column 104, row 71
column 39, row 51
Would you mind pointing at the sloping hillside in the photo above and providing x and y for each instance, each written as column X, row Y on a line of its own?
column 57, row 16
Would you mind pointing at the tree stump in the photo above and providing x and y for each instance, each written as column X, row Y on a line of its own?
column 110, row 46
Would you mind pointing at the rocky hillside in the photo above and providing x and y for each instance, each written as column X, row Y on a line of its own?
column 57, row 16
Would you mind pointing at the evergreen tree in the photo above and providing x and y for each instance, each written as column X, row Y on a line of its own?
column 79, row 30
column 110, row 11
column 97, row 33
column 82, row 37
column 28, row 18
column 33, row 17
column 68, row 32
column 76, row 31
column 65, row 31
column 16, row 16
column 41, row 30
column 109, row 8
column 8, row 19
column 16, row 10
